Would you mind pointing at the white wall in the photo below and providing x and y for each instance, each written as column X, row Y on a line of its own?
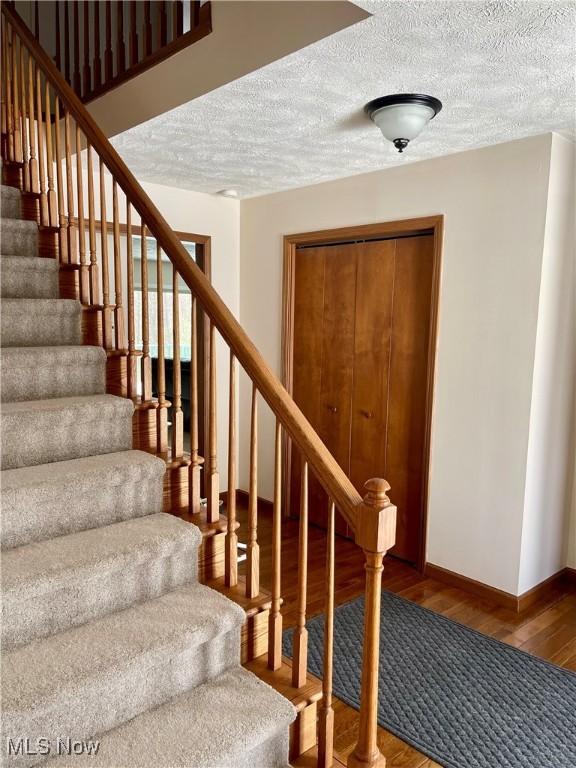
column 550, row 463
column 494, row 203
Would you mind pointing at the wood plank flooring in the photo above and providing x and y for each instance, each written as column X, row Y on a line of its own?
column 547, row 629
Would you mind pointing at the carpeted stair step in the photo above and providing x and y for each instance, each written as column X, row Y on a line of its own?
column 29, row 277
column 65, row 497
column 10, row 202
column 53, row 585
column 62, row 428
column 234, row 721
column 18, row 237
column 36, row 373
column 40, row 322
column 96, row 677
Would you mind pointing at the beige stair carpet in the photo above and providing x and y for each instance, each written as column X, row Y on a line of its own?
column 110, row 645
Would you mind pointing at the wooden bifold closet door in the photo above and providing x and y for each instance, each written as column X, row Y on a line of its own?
column 360, row 368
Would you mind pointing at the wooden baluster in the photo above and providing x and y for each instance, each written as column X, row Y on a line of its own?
column 376, row 536
column 162, row 24
column 11, row 118
column 107, row 309
column 146, row 360
column 133, row 47
column 84, row 269
column 231, row 541
column 67, row 41
column 97, row 65
column 253, row 550
column 177, row 413
column 120, row 44
column 25, row 122
column 62, row 219
column 86, row 73
column 77, row 76
column 34, row 181
column 36, row 20
column 119, row 329
column 44, row 207
column 194, row 496
column 300, row 654
column 132, row 373
column 326, row 712
column 17, row 117
column 94, row 279
column 162, row 411
column 108, row 57
column 3, row 89
column 7, row 120
column 177, row 19
column 212, row 479
column 58, row 35
column 52, row 199
column 71, row 228
column 275, row 620
column 194, row 13
column 10, row 93
column 21, row 94
column 147, row 45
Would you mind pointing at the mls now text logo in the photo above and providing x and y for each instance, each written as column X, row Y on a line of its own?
column 43, row 746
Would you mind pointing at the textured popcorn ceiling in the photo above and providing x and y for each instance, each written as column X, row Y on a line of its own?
column 503, row 70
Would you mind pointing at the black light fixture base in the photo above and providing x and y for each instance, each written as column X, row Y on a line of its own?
column 400, row 144
column 403, row 98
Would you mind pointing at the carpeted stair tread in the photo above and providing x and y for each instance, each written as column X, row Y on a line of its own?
column 10, row 202
column 65, row 497
column 57, row 429
column 97, row 676
column 52, row 585
column 40, row 322
column 35, row 373
column 30, row 277
column 238, row 722
column 18, row 237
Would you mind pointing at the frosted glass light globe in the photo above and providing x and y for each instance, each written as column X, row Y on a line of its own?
column 402, row 117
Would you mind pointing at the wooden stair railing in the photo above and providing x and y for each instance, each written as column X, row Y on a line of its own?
column 135, row 35
column 70, row 174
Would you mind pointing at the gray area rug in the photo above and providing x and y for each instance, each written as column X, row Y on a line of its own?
column 460, row 697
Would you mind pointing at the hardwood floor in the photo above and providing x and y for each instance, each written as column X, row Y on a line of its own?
column 547, row 629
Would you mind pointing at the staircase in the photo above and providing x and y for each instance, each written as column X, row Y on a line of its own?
column 106, row 632
column 124, row 624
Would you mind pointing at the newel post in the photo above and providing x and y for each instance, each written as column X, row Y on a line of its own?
column 376, row 535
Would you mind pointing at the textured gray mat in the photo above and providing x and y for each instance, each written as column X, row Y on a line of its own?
column 463, row 699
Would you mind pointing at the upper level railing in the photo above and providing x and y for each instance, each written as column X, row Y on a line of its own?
column 98, row 44
column 69, row 167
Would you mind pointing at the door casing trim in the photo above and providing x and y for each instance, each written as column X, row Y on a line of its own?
column 433, row 225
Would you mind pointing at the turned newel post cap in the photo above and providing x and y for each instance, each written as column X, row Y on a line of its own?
column 377, row 489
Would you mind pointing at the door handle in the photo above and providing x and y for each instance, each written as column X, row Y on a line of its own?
column 332, row 408
column 367, row 414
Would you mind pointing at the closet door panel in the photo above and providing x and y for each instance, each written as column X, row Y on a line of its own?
column 307, row 353
column 338, row 358
column 374, row 290
column 408, row 389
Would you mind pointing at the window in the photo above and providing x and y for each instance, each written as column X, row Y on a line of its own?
column 184, row 299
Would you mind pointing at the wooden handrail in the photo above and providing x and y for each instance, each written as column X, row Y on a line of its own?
column 331, row 475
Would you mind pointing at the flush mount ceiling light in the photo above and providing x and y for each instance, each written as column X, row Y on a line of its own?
column 402, row 116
